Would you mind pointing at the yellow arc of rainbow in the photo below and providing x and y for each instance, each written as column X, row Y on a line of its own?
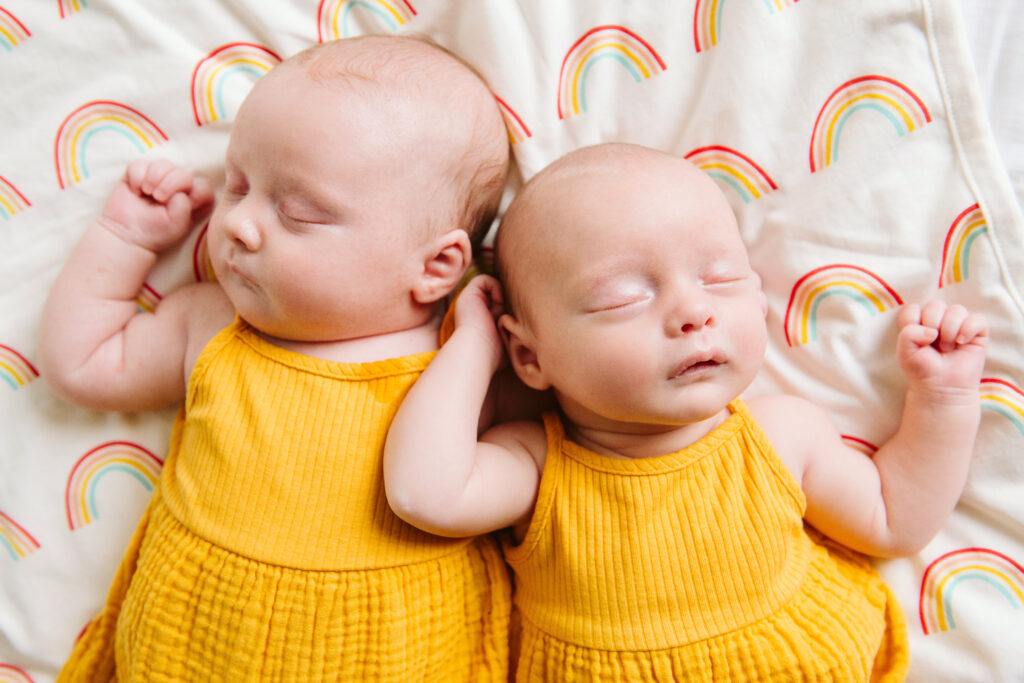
column 73, row 149
column 583, row 61
column 945, row 574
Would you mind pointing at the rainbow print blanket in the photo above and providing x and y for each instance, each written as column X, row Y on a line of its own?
column 850, row 137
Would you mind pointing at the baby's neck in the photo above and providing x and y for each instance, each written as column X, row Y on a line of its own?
column 642, row 441
column 371, row 348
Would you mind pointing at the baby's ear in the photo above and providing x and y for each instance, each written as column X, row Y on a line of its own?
column 518, row 344
column 446, row 261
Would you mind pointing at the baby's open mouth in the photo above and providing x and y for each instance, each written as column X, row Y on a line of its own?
column 695, row 367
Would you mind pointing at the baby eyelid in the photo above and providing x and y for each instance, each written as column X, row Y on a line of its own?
column 615, row 302
column 235, row 184
column 724, row 277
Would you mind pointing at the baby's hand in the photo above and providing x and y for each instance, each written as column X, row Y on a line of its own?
column 942, row 347
column 477, row 307
column 152, row 204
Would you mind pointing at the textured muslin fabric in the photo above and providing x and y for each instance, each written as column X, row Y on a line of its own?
column 269, row 551
column 695, row 565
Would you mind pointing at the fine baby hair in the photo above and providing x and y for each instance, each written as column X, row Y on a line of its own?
column 662, row 525
column 353, row 193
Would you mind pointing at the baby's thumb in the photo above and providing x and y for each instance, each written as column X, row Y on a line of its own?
column 179, row 209
column 201, row 193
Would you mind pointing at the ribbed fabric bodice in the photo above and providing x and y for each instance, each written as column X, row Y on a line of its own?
column 277, row 456
column 643, row 554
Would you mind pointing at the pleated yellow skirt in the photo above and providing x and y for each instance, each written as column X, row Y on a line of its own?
column 774, row 649
column 249, row 621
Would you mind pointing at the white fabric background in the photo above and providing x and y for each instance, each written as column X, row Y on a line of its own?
column 885, row 205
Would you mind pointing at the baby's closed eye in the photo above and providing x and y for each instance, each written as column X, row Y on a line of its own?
column 617, row 296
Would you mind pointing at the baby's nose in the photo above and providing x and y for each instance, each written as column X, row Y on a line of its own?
column 242, row 228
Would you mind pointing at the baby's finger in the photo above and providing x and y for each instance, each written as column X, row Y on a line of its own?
column 493, row 290
column 910, row 314
column 175, row 180
column 202, row 191
column 974, row 330
column 949, row 328
column 932, row 312
column 155, row 174
column 135, row 173
column 913, row 337
column 179, row 209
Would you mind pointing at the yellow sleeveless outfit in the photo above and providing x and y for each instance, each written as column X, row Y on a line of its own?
column 692, row 566
column 269, row 553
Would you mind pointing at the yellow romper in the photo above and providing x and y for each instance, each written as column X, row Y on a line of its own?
column 692, row 566
column 269, row 552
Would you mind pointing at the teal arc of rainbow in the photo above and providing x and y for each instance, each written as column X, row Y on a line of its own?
column 734, row 169
column 69, row 7
column 222, row 66
column 95, row 118
column 886, row 96
column 113, row 457
column 951, row 571
column 1005, row 398
column 333, row 16
column 613, row 42
column 18, row 542
column 12, row 31
column 12, row 201
column 838, row 279
column 968, row 226
column 15, row 369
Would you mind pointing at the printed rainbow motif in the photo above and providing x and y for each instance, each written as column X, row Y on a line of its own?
column 597, row 44
column 889, row 97
column 943, row 576
column 147, row 298
column 779, row 5
column 956, row 251
column 69, row 7
column 202, row 267
column 15, row 369
column 866, row 447
column 12, row 674
column 92, row 118
column 517, row 130
column 220, row 67
column 115, row 456
column 734, row 169
column 12, row 31
column 1004, row 398
column 11, row 200
column 18, row 542
column 853, row 282
column 333, row 15
column 707, row 18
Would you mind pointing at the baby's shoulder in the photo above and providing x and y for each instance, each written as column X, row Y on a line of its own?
column 795, row 426
column 523, row 438
column 206, row 311
column 779, row 409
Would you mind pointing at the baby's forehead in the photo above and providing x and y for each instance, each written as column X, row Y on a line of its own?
column 585, row 210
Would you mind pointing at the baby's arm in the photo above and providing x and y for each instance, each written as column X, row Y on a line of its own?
column 94, row 349
column 894, row 503
column 438, row 474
